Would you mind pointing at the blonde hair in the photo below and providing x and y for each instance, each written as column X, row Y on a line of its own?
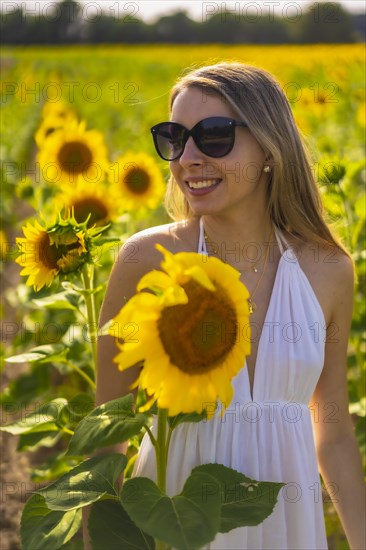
column 294, row 201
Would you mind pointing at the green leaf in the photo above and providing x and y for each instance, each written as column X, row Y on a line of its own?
column 173, row 421
column 44, row 437
column 54, row 467
column 106, row 425
column 43, row 529
column 62, row 300
column 41, row 419
column 41, row 354
column 86, row 483
column 183, row 521
column 77, row 408
column 244, row 501
column 109, row 517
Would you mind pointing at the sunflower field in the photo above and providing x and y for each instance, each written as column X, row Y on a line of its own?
column 80, row 175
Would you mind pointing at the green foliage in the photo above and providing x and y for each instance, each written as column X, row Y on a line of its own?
column 86, row 483
column 110, row 517
column 43, row 528
column 106, row 425
column 180, row 521
column 41, row 354
column 244, row 502
column 214, row 499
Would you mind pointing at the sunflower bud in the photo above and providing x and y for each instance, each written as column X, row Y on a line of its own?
column 64, row 247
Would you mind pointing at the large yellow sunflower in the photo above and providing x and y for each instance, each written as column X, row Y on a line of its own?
column 86, row 199
column 189, row 332
column 71, row 152
column 137, row 182
column 45, row 253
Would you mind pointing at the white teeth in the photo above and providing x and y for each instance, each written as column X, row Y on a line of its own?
column 202, row 184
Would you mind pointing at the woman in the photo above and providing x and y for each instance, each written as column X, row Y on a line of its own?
column 243, row 190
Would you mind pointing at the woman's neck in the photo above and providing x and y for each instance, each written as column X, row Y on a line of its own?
column 246, row 229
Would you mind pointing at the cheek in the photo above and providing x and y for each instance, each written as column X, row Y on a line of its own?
column 251, row 172
column 245, row 162
column 173, row 166
column 176, row 172
column 242, row 169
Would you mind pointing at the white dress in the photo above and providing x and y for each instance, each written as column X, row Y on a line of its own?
column 268, row 436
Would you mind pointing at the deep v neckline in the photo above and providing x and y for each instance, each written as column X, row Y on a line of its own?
column 259, row 348
column 280, row 240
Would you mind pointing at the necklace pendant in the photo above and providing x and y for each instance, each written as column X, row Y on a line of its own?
column 252, row 306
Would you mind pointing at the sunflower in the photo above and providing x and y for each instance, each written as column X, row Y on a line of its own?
column 71, row 152
column 88, row 199
column 137, row 182
column 190, row 332
column 44, row 253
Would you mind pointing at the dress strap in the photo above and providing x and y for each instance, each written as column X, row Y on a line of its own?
column 201, row 241
column 282, row 242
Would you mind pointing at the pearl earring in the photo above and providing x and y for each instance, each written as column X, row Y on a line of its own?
column 267, row 169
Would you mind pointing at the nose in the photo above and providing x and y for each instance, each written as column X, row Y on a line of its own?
column 191, row 154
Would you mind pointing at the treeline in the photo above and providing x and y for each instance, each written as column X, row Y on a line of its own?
column 250, row 23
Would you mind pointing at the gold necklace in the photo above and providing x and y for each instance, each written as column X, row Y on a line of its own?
column 252, row 305
column 215, row 251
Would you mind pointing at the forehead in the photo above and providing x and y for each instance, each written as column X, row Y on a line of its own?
column 194, row 104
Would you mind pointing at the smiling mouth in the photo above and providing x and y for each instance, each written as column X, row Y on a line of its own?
column 203, row 184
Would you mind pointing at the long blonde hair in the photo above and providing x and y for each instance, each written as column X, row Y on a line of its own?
column 294, row 201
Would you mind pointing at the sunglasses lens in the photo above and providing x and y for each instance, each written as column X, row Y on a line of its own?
column 169, row 140
column 215, row 137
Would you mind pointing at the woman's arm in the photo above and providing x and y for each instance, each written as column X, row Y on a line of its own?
column 338, row 454
column 112, row 383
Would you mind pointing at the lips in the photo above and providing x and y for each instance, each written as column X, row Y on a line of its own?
column 202, row 184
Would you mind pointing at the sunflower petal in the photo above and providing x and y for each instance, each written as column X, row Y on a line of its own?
column 154, row 280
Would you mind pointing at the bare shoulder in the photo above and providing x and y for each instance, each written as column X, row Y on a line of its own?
column 175, row 237
column 138, row 255
column 330, row 272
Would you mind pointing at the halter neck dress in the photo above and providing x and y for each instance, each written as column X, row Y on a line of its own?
column 266, row 434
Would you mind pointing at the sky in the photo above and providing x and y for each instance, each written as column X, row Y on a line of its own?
column 150, row 10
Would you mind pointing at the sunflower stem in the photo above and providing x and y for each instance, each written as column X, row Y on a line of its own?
column 170, row 433
column 67, row 431
column 82, row 373
column 88, row 280
column 150, row 434
column 161, row 460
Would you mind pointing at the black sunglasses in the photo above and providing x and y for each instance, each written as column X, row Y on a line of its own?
column 214, row 136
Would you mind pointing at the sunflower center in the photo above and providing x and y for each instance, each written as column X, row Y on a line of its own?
column 49, row 253
column 199, row 335
column 53, row 256
column 90, row 205
column 137, row 181
column 74, row 157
